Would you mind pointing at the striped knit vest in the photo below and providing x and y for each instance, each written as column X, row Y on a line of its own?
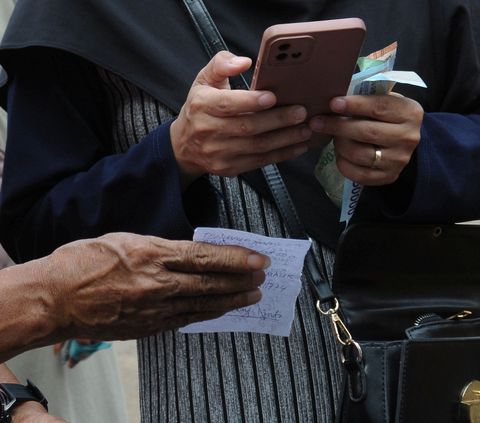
column 230, row 377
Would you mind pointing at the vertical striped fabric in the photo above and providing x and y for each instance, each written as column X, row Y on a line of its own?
column 230, row 377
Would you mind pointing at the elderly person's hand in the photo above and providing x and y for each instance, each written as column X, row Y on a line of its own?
column 389, row 123
column 125, row 286
column 226, row 132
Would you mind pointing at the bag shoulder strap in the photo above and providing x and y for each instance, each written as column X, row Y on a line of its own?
column 213, row 43
column 210, row 36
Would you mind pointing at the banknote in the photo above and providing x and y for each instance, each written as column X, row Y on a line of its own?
column 329, row 176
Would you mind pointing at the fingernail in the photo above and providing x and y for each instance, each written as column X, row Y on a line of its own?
column 317, row 124
column 300, row 113
column 258, row 277
column 258, row 261
column 300, row 149
column 339, row 104
column 266, row 100
column 254, row 297
column 237, row 60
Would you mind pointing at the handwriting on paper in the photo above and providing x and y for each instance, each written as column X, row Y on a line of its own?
column 274, row 313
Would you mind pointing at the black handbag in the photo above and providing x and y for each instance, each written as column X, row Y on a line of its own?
column 406, row 308
column 410, row 297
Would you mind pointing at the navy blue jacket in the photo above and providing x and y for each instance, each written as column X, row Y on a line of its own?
column 63, row 183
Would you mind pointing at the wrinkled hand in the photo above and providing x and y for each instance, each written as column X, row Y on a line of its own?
column 225, row 132
column 32, row 412
column 126, row 286
column 392, row 124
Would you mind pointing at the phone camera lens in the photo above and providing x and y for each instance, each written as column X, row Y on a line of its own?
column 284, row 47
column 282, row 56
column 296, row 55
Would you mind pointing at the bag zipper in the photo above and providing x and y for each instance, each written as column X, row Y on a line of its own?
column 434, row 317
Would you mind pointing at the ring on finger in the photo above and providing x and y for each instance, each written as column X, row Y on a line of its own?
column 377, row 158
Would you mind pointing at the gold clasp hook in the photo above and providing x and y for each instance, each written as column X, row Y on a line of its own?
column 341, row 332
column 339, row 329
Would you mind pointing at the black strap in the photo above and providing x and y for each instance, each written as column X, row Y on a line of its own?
column 23, row 393
column 213, row 43
column 295, row 228
column 210, row 36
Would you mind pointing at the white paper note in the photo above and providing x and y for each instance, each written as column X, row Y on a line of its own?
column 274, row 313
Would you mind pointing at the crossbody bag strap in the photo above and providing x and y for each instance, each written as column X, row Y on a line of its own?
column 213, row 43
column 350, row 351
column 210, row 36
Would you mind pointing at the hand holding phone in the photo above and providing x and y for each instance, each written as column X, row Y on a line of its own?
column 309, row 63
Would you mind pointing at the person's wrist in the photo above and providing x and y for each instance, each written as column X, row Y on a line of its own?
column 17, row 400
column 187, row 172
column 37, row 327
column 29, row 408
column 77, row 274
column 56, row 280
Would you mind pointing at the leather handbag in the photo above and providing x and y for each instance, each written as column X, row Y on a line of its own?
column 404, row 305
column 410, row 297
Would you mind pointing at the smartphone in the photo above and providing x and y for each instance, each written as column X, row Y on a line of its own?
column 309, row 63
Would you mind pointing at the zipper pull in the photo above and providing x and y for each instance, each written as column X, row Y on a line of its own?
column 460, row 315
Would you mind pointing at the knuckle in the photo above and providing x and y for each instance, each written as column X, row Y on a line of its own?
column 200, row 130
column 274, row 157
column 191, row 282
column 287, row 116
column 259, row 143
column 400, row 160
column 369, row 132
column 197, row 103
column 262, row 160
column 196, row 254
column 201, row 283
column 209, row 152
column 413, row 139
column 283, row 154
column 357, row 156
column 224, row 104
column 417, row 111
column 244, row 125
column 332, row 126
column 381, row 106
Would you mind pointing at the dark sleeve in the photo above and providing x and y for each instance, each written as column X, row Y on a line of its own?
column 61, row 183
column 441, row 184
column 445, row 187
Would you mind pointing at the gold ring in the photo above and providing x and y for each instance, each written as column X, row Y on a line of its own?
column 377, row 158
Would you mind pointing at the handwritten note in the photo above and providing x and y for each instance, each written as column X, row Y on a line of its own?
column 274, row 313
